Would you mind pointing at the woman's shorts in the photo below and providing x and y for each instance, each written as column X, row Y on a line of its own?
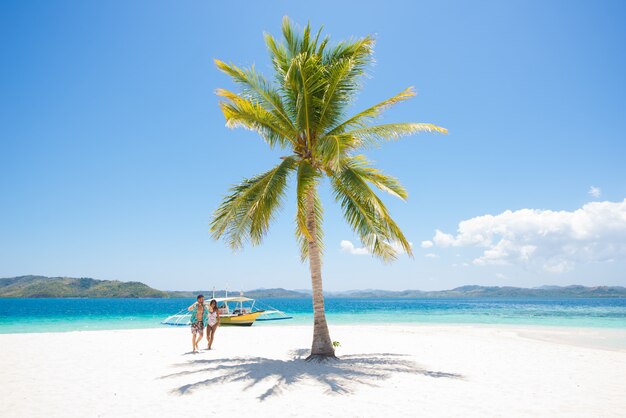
column 197, row 328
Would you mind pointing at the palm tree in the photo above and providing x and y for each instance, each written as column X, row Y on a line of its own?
column 303, row 111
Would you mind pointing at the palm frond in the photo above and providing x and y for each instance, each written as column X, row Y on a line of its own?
column 279, row 57
column 331, row 150
column 306, row 80
column 246, row 213
column 344, row 65
column 322, row 46
column 374, row 135
column 362, row 118
column 362, row 167
column 360, row 50
column 257, row 89
column 241, row 112
column 367, row 215
column 292, row 41
column 339, row 91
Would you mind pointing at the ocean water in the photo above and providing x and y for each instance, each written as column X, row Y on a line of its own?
column 53, row 315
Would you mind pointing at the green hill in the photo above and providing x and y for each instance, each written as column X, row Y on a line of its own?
column 68, row 287
column 473, row 291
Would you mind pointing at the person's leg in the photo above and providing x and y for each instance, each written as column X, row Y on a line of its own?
column 213, row 329
column 200, row 335
column 197, row 331
column 209, row 336
column 193, row 339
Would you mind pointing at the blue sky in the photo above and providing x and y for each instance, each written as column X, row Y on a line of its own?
column 113, row 151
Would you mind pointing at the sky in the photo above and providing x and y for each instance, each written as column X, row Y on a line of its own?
column 114, row 153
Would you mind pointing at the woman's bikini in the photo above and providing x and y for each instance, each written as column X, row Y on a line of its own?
column 212, row 317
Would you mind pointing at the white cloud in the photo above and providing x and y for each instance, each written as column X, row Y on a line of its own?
column 349, row 247
column 595, row 191
column 554, row 240
column 432, row 255
column 427, row 244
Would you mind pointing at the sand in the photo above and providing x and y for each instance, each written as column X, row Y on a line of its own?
column 384, row 371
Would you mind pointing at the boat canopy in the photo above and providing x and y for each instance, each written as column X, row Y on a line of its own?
column 233, row 299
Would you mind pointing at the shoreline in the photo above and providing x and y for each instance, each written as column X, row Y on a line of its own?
column 287, row 324
column 611, row 339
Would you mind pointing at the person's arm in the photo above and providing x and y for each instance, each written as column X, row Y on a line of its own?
column 192, row 306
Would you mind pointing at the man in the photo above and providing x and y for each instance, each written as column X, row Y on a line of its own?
column 199, row 319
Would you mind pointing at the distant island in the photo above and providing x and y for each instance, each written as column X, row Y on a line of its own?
column 69, row 287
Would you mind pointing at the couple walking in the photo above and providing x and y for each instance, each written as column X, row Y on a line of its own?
column 203, row 315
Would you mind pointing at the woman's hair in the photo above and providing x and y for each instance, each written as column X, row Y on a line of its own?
column 213, row 301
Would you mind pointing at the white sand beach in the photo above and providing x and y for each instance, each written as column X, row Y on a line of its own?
column 390, row 371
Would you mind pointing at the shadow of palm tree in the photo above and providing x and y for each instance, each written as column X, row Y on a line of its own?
column 338, row 376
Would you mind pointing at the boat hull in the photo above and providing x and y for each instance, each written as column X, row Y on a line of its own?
column 243, row 320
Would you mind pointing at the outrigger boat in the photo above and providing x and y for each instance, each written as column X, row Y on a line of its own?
column 235, row 310
column 240, row 315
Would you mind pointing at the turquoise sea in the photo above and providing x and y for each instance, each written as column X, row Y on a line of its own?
column 52, row 315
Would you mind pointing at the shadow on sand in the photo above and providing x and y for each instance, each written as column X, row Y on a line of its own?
column 338, row 376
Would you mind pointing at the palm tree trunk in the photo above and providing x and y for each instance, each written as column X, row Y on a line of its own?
column 322, row 347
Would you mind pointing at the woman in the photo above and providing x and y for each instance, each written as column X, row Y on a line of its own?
column 199, row 319
column 213, row 322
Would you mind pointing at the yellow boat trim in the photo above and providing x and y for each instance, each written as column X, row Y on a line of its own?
column 245, row 319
